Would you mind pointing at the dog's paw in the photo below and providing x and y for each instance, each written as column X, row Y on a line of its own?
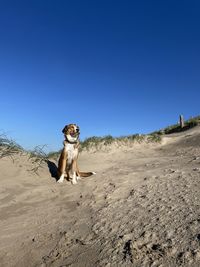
column 61, row 179
column 74, row 182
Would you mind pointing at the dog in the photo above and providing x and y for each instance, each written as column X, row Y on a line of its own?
column 67, row 163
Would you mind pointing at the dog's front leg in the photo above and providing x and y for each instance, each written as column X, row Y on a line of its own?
column 62, row 166
column 74, row 177
column 78, row 176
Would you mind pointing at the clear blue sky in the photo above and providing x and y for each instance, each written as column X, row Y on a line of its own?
column 112, row 67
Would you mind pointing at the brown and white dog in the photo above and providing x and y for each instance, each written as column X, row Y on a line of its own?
column 67, row 164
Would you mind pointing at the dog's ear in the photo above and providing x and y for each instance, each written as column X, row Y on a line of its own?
column 64, row 129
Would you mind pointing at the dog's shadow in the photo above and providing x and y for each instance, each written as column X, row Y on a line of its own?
column 52, row 169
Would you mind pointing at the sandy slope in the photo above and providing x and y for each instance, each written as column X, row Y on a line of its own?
column 141, row 209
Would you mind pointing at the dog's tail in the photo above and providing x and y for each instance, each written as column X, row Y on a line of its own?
column 86, row 174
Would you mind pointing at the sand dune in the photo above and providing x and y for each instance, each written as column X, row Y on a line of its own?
column 141, row 209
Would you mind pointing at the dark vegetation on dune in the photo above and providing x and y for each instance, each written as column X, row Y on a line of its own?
column 152, row 137
column 176, row 128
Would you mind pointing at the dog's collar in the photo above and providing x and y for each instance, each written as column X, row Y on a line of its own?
column 71, row 142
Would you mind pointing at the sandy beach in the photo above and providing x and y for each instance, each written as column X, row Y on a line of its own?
column 142, row 208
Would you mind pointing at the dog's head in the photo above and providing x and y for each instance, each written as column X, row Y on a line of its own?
column 71, row 132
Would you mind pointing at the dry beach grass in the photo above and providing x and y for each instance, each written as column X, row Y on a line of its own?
column 141, row 209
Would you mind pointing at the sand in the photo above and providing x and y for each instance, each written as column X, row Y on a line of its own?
column 142, row 208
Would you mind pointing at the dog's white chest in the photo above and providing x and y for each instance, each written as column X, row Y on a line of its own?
column 72, row 152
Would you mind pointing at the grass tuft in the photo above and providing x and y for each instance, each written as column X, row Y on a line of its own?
column 154, row 138
column 8, row 147
column 38, row 158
